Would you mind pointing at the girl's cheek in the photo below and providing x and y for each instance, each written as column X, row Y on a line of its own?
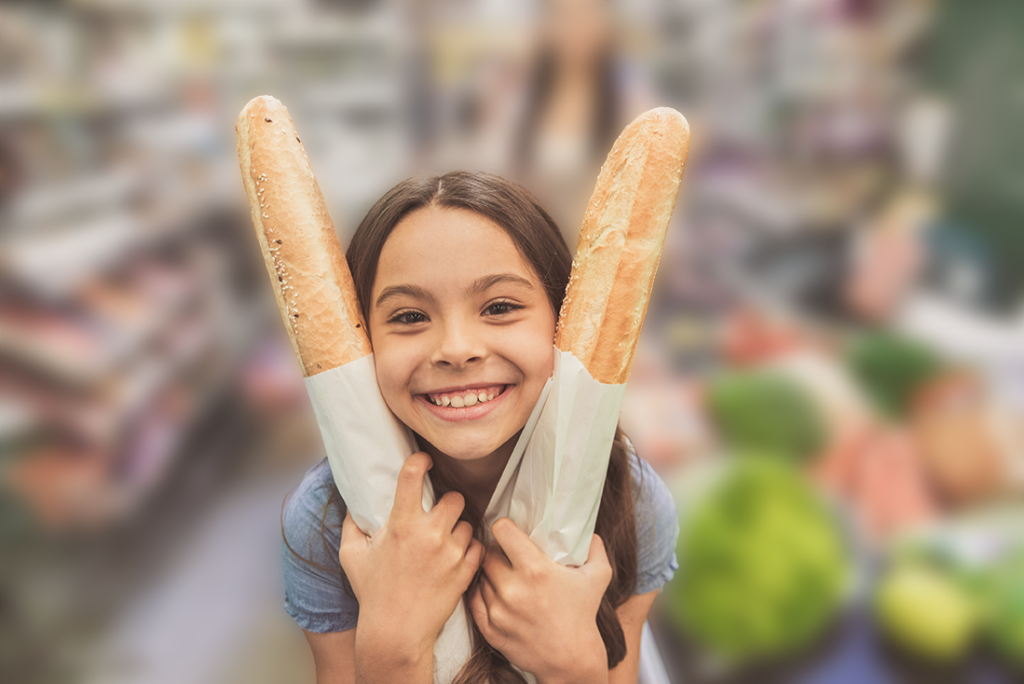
column 540, row 341
column 390, row 360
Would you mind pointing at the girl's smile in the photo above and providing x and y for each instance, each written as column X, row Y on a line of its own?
column 462, row 332
column 464, row 404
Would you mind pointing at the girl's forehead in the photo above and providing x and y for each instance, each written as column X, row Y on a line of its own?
column 437, row 242
column 433, row 221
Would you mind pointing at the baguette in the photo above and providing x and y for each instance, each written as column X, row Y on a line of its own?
column 620, row 244
column 313, row 286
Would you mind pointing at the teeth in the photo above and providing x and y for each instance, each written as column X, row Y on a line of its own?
column 470, row 398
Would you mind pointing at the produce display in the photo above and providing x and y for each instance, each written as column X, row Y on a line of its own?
column 763, row 564
column 843, row 405
column 892, row 369
column 757, row 410
column 878, row 475
column 1003, row 629
column 904, row 446
column 954, row 592
column 960, row 434
column 926, row 611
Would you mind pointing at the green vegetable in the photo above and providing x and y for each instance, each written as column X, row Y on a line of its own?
column 763, row 569
column 764, row 412
column 1004, row 610
column 927, row 611
column 892, row 369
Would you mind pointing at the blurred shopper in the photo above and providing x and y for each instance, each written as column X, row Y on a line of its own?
column 579, row 97
column 551, row 121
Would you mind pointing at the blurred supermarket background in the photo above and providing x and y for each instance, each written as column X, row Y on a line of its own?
column 840, row 293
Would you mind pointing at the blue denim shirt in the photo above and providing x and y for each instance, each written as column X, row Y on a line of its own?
column 315, row 593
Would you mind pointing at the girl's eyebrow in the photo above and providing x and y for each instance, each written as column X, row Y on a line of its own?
column 478, row 286
column 482, row 284
column 413, row 291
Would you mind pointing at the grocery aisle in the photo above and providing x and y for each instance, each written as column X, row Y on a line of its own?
column 215, row 614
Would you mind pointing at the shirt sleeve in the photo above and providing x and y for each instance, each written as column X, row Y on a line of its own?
column 657, row 528
column 317, row 596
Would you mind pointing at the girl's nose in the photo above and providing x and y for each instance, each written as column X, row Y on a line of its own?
column 457, row 347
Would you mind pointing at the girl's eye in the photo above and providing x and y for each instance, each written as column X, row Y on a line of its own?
column 408, row 317
column 501, row 308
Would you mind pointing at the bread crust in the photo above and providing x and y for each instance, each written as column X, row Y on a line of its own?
column 311, row 280
column 620, row 244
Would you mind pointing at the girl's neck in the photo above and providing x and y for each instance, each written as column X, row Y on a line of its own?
column 475, row 479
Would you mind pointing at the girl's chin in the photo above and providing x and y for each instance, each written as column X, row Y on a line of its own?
column 466, row 449
column 461, row 452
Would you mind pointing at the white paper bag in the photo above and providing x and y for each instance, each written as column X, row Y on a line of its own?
column 551, row 486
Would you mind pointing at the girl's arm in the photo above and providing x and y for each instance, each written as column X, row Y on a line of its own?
column 632, row 615
column 334, row 655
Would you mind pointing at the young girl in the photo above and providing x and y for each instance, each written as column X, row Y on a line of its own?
column 460, row 279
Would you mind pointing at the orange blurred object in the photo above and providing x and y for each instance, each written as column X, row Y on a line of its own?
column 879, row 474
column 954, row 423
column 751, row 338
column 67, row 488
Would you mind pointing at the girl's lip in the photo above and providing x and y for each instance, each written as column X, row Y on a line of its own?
column 458, row 415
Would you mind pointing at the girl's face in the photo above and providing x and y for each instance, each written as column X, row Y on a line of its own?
column 459, row 319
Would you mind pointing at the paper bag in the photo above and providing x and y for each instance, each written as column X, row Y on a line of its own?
column 551, row 487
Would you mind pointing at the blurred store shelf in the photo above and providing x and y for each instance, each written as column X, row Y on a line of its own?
column 146, row 392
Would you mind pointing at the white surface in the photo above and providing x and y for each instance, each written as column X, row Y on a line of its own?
column 960, row 334
column 993, row 346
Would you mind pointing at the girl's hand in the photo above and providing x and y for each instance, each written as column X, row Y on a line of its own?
column 542, row 616
column 409, row 576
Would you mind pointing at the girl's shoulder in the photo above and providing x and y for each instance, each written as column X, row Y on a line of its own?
column 312, row 515
column 657, row 526
column 649, row 491
column 313, row 492
column 315, row 593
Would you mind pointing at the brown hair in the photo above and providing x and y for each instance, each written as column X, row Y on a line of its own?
column 540, row 243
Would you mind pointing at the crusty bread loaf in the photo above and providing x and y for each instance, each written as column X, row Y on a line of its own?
column 620, row 244
column 307, row 266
